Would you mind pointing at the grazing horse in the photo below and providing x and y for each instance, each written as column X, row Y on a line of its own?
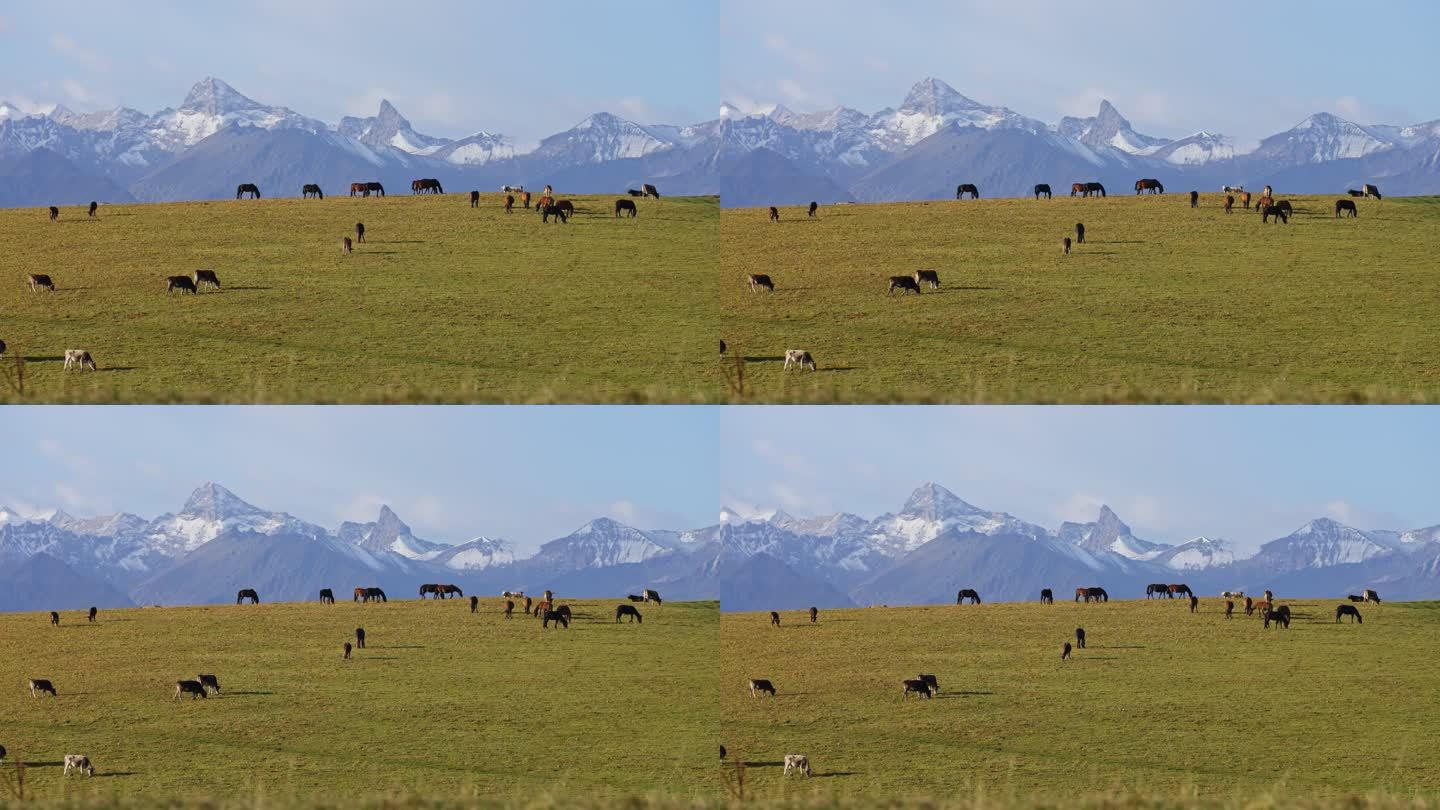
column 1157, row 590
column 509, row 203
column 93, row 613
column 525, row 199
column 359, row 594
column 560, row 619
column 1182, row 588
column 1245, row 200
column 312, row 190
column 1194, row 199
column 371, row 594
column 774, row 214
column 774, row 618
column 54, row 213
column 1280, row 616
column 917, row 685
column 814, row 613
column 1065, row 246
column 814, row 206
column 967, row 188
column 327, row 596
column 1097, row 594
column 1065, row 652
column 625, row 205
column 446, row 591
column 1194, row 602
column 1355, row 192
column 426, row 184
column 1372, row 191
column 1286, row 208
column 968, row 593
column 628, row 610
column 474, row 199
column 1089, row 189
column 1274, row 211
column 1229, row 202
column 93, row 207
column 359, row 233
column 509, row 608
column 1262, row 607
column 548, row 211
column 1229, row 608
column 1079, row 233
column 1348, row 610
column 1044, row 188
column 634, row 192
column 375, row 187
column 1047, row 597
column 348, row 648
column 247, row 188
column 360, row 638
column 1080, row 637
column 1149, row 184
column 1371, row 596
column 430, row 588
column 528, row 603
column 1345, row 205
column 566, row 206
column 247, row 593
column 54, row 619
column 758, row 685
column 650, row 191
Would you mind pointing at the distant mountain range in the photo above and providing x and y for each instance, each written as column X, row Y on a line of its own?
column 938, row 138
column 937, row 544
column 218, row 138
column 218, row 543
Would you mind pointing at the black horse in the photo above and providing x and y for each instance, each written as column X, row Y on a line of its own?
column 247, row 188
column 1086, row 189
column 1345, row 205
column 625, row 205
column 814, row 614
column 548, row 211
column 1047, row 597
column 968, row 593
column 814, row 206
column 327, row 596
column 312, row 190
column 1280, row 616
column 1156, row 590
column 1274, row 211
column 247, row 593
column 634, row 192
column 1043, row 188
column 93, row 206
column 1194, row 199
column 1355, row 192
column 628, row 610
column 1348, row 610
column 967, row 188
column 474, row 199
column 1088, row 594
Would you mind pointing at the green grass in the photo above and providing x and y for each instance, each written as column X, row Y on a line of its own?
column 442, row 703
column 442, row 303
column 1162, row 703
column 1162, row 303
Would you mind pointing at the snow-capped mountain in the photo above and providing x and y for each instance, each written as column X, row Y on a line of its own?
column 938, row 542
column 603, row 137
column 389, row 128
column 212, row 105
column 938, row 137
column 218, row 542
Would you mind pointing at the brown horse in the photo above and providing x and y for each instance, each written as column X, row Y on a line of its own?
column 426, row 185
column 446, row 591
column 1245, row 201
column 1149, row 184
column 509, row 203
column 1229, row 202
column 1086, row 189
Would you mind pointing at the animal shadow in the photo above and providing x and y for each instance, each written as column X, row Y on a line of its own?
column 111, row 369
column 236, row 289
column 747, row 764
column 45, row 764
column 397, row 646
column 779, row 359
column 50, row 359
column 836, row 773
column 246, row 693
column 829, row 369
column 1097, row 658
column 104, row 774
column 971, row 288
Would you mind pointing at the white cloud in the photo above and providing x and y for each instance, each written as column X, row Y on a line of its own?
column 77, row 91
column 802, row 58
column 69, row 48
column 1082, row 104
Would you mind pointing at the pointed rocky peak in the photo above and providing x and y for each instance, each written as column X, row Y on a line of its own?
column 1109, row 116
column 934, row 97
column 214, row 502
column 215, row 97
column 934, row 502
column 389, row 116
column 61, row 518
column 1108, row 521
column 390, row 523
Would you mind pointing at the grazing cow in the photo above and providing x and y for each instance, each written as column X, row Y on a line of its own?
column 774, row 618
column 312, row 190
column 967, row 593
column 931, row 277
column 54, row 213
column 799, row 358
column 79, row 358
column 1155, row 590
column 918, row 686
column 1194, row 603
column 1280, row 616
column 1245, row 200
column 509, row 608
column 1355, row 192
column 814, row 206
column 359, row 233
column 1355, row 598
column 247, row 593
column 360, row 638
column 758, row 685
column 625, row 205
column 1229, row 608
column 80, row 763
column 40, row 281
column 1274, row 211
column 1047, row 597
column 1065, row 246
column 934, row 683
column 1080, row 638
column 1149, row 184
column 1044, row 188
column 1236, row 189
column 346, row 245
column 209, row 682
column 1372, row 191
column 327, row 596
column 94, row 206
column 1345, row 205
column 1194, row 199
column 247, row 188
column 474, row 603
column 774, row 214
column 38, row 685
column 348, row 648
column 1079, row 233
column 650, row 191
column 634, row 192
column 1229, row 203
column 54, row 619
column 651, row 595
column 474, row 199
column 760, row 281
column 967, row 188
column 1372, row 596
column 1348, row 610
column 1065, row 652
column 1232, row 594
column 814, row 614
column 191, row 688
column 628, row 610
column 181, row 283
column 206, row 278
column 560, row 619
column 93, row 613
column 635, row 597
column 904, row 284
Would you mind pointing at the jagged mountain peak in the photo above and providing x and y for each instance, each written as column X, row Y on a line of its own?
column 934, row 97
column 215, row 97
column 212, row 501
column 387, row 112
column 934, row 501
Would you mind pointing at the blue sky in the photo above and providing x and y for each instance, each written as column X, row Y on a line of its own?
column 1247, row 474
column 451, row 67
column 1171, row 68
column 527, row 474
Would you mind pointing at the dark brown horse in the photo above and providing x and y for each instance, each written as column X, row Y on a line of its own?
column 1229, row 202
column 1348, row 610
column 814, row 206
column 1088, row 594
column 628, row 610
column 426, row 185
column 625, row 205
column 968, row 593
column 1274, row 211
column 509, row 203
column 1280, row 616
column 814, row 614
column 93, row 207
column 1345, row 205
column 54, row 213
column 1043, row 188
column 1245, row 200
column 447, row 591
column 431, row 589
column 774, row 214
column 1086, row 189
column 247, row 188
column 474, row 199
column 1149, row 184
column 364, row 189
column 1194, row 199
column 311, row 190
column 1155, row 590
column 1047, row 597
column 1181, row 588
column 967, row 188
column 247, row 593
